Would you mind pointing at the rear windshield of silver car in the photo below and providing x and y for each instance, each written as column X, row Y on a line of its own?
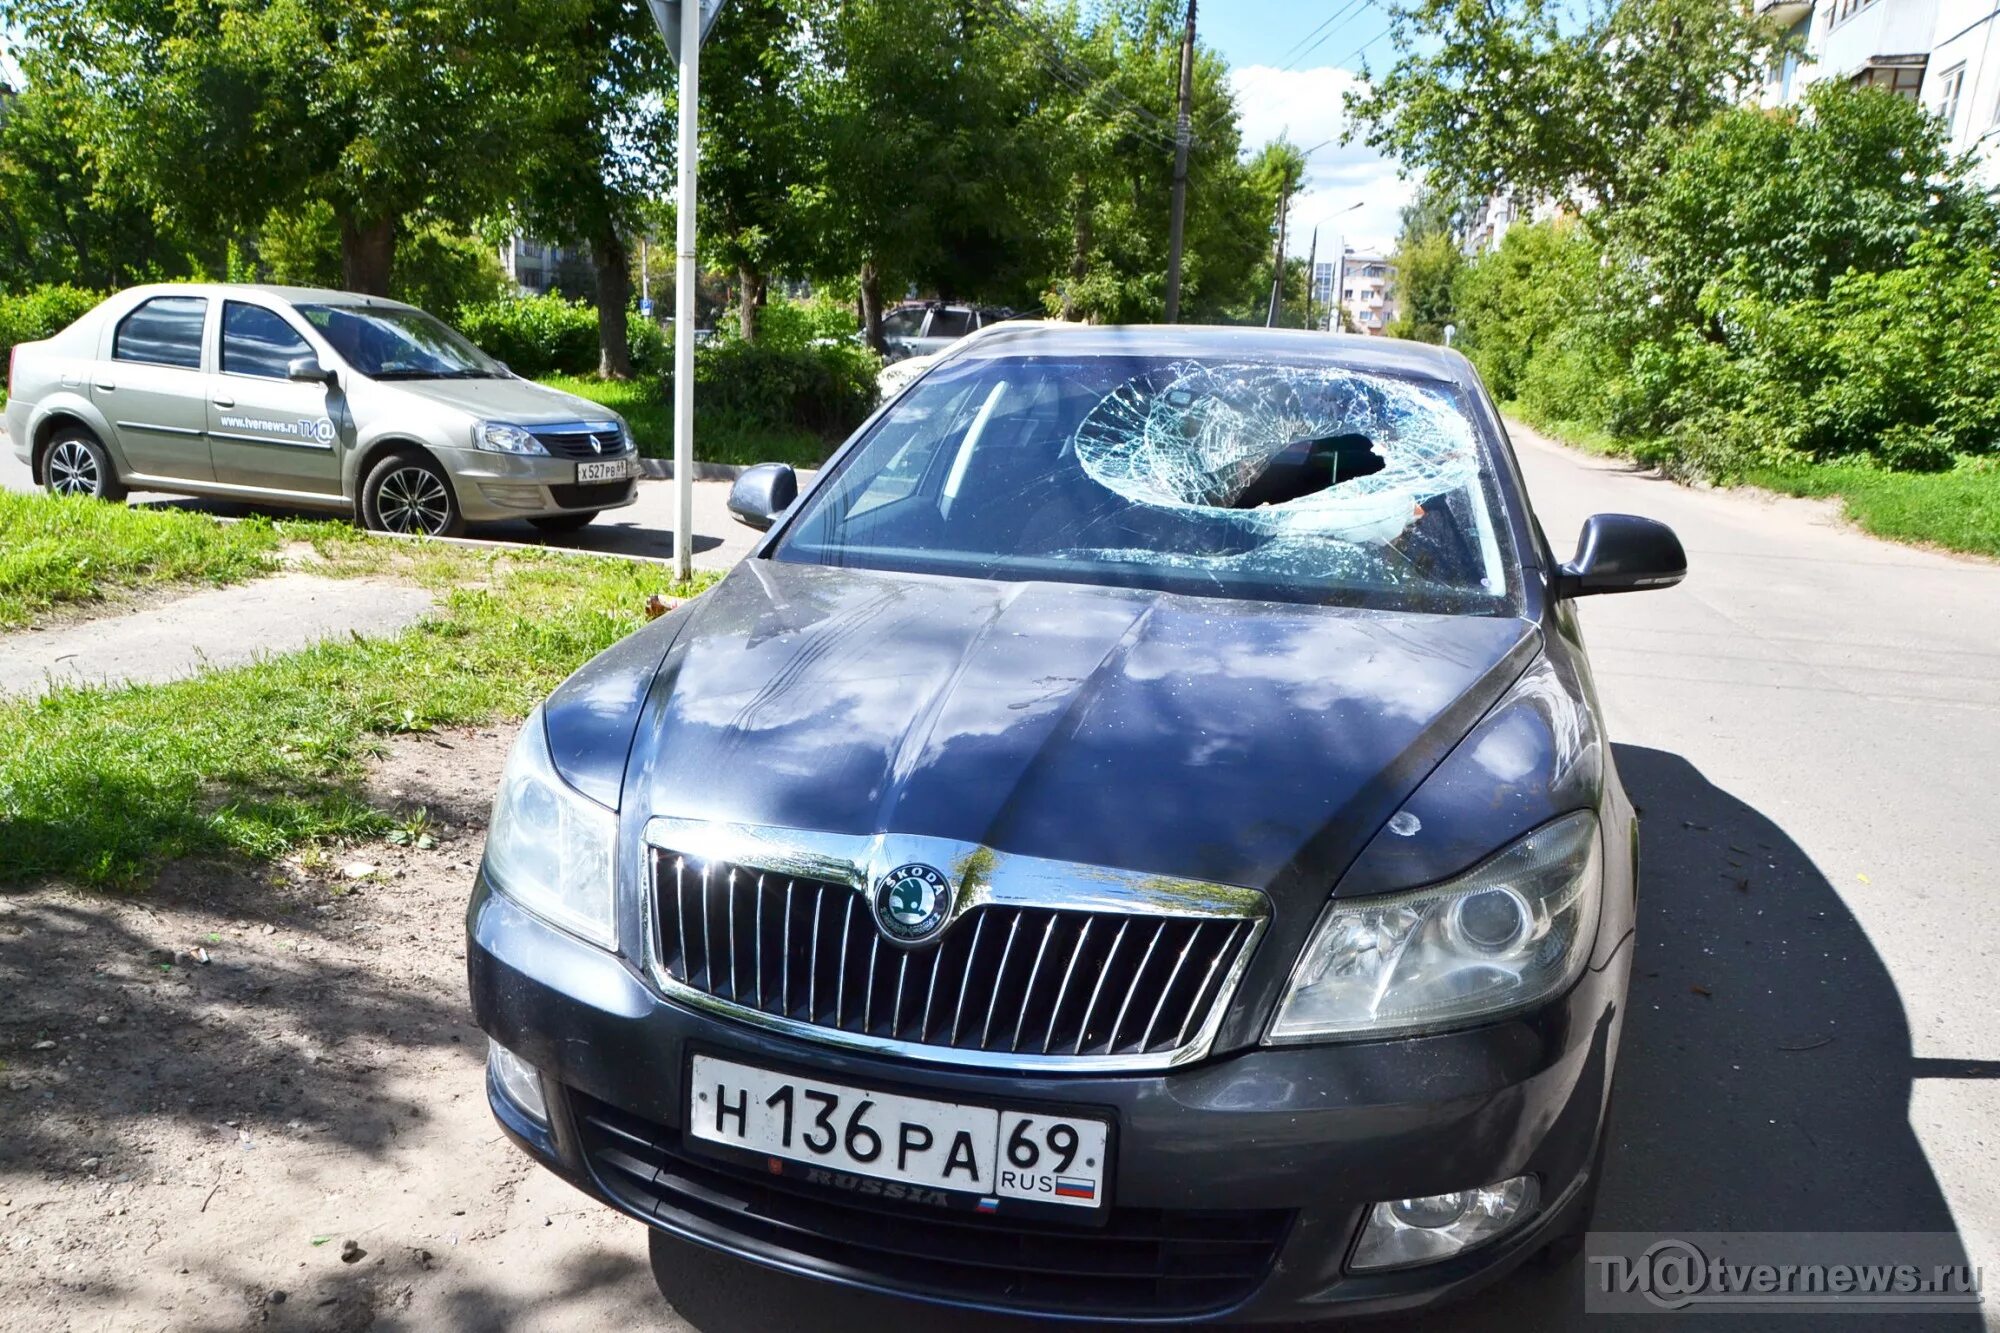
column 1217, row 477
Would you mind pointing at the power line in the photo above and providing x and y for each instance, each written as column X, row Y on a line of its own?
column 1086, row 83
column 1309, row 36
column 1352, row 7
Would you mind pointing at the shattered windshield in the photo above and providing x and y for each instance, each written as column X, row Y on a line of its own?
column 1296, row 482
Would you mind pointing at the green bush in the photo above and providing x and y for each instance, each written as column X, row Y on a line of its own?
column 796, row 324
column 827, row 389
column 551, row 335
column 1816, row 286
column 37, row 313
column 535, row 335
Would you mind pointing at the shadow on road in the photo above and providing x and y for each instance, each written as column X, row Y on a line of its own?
column 610, row 534
column 1763, row 1085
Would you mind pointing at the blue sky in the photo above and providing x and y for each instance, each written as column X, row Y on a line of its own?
column 1290, row 73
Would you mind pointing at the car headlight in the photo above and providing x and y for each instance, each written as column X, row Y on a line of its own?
column 503, row 437
column 549, row 847
column 1512, row 931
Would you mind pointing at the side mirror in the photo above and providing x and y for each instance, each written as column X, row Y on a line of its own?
column 308, row 370
column 762, row 493
column 1622, row 553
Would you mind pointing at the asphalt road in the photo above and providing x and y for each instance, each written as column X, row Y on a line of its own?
column 644, row 528
column 1810, row 727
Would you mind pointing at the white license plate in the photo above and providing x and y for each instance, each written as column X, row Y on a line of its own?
column 612, row 471
column 980, row 1151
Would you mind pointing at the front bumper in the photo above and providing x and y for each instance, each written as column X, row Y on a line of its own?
column 492, row 487
column 1316, row 1133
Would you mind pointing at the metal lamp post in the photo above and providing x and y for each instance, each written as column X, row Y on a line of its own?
column 684, row 26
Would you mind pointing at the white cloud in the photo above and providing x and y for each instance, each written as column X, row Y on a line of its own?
column 1307, row 107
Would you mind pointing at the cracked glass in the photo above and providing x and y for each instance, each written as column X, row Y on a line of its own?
column 1293, row 481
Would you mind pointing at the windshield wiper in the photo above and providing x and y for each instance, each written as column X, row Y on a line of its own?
column 434, row 375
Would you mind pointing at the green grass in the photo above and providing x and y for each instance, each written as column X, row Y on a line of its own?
column 60, row 552
column 103, row 785
column 644, row 404
column 1958, row 510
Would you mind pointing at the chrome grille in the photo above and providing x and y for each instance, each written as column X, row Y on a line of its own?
column 569, row 443
column 1005, row 979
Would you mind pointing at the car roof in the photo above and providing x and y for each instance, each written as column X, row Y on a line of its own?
column 1394, row 356
column 295, row 295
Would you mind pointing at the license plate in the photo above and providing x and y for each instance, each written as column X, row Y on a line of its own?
column 983, row 1154
column 612, row 471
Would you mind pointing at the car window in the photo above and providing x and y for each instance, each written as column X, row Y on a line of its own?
column 902, row 323
column 950, row 323
column 256, row 341
column 165, row 331
column 399, row 343
column 1297, row 481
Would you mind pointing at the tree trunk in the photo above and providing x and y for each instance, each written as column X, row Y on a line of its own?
column 871, row 306
column 612, row 260
column 747, row 283
column 367, row 254
column 1079, row 254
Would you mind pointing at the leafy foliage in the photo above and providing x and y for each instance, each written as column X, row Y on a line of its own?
column 41, row 311
column 1516, row 96
column 1820, row 284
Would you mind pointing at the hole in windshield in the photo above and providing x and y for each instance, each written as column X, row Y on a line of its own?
column 1299, row 482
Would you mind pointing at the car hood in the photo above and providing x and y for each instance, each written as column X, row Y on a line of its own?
column 1246, row 743
column 520, row 401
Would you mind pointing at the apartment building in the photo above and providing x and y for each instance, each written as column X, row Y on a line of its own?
column 1942, row 53
column 1366, row 286
column 537, row 267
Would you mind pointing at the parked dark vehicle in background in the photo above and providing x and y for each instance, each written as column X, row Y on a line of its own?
column 1135, row 841
column 925, row 328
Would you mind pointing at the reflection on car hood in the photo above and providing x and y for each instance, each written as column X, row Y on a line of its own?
column 1239, row 742
column 523, row 402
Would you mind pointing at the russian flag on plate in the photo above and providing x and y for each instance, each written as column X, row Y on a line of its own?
column 989, row 1205
column 1074, row 1187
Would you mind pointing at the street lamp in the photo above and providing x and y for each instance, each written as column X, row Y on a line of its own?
column 685, row 26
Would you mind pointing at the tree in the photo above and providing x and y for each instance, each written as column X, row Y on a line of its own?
column 1427, row 262
column 220, row 110
column 598, row 153
column 1492, row 96
column 756, row 147
column 61, row 219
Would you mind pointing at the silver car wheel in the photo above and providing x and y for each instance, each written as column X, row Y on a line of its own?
column 413, row 499
column 73, row 470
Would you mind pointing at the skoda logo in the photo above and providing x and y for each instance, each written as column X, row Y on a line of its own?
column 912, row 903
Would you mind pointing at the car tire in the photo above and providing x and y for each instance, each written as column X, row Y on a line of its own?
column 408, row 493
column 76, row 464
column 558, row 524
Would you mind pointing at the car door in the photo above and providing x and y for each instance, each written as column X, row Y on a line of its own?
column 153, row 391
column 947, row 325
column 902, row 330
column 266, row 430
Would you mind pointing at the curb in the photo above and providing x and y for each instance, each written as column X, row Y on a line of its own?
column 662, row 469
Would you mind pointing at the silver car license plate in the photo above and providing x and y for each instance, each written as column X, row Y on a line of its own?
column 980, row 1151
column 616, row 470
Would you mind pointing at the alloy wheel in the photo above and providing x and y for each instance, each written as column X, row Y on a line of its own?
column 73, row 469
column 413, row 499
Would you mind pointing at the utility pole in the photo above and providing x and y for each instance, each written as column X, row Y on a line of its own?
column 1312, row 275
column 1183, row 131
column 684, row 25
column 1278, row 259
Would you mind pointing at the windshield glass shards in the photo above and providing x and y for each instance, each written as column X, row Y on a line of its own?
column 1312, row 482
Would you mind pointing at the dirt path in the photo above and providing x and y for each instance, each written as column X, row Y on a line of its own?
column 255, row 1100
column 169, row 634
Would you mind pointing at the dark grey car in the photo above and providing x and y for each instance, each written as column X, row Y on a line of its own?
column 1135, row 842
